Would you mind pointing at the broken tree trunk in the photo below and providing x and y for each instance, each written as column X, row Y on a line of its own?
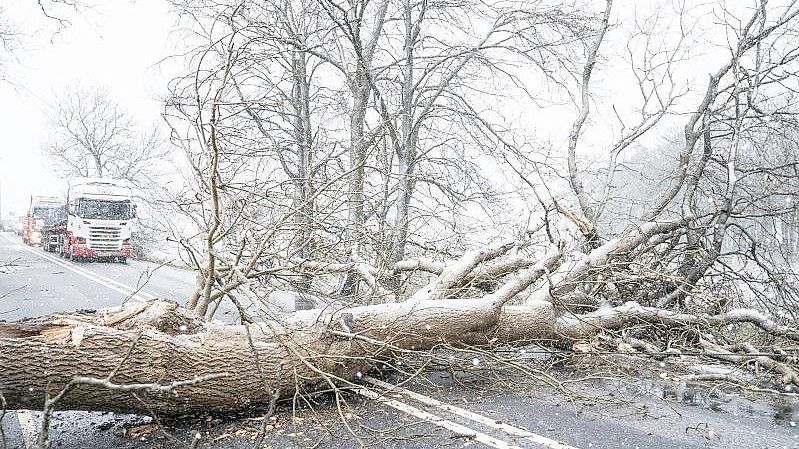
column 240, row 366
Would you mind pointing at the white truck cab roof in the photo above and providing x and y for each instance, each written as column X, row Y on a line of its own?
column 99, row 188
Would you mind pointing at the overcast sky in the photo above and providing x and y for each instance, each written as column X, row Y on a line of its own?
column 117, row 44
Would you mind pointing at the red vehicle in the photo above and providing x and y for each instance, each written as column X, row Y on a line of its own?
column 43, row 213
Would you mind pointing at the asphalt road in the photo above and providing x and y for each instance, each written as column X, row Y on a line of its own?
column 35, row 283
column 39, row 283
column 435, row 410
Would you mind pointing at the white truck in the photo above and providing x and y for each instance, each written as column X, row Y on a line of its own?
column 98, row 221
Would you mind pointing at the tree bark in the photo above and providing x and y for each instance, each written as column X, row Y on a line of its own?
column 159, row 342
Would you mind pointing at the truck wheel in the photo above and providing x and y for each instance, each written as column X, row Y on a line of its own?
column 123, row 259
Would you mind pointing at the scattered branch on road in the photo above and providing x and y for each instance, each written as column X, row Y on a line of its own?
column 144, row 279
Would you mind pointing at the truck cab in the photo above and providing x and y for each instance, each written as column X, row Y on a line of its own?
column 43, row 212
column 99, row 216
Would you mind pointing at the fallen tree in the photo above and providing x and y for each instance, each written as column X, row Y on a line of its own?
column 240, row 366
column 160, row 358
column 123, row 361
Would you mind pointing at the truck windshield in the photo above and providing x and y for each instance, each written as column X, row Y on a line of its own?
column 49, row 215
column 104, row 210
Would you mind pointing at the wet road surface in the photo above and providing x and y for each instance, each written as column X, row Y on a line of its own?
column 38, row 283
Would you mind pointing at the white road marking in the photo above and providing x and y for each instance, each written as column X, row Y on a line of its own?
column 144, row 294
column 102, row 280
column 29, row 426
column 127, row 290
column 507, row 428
column 437, row 420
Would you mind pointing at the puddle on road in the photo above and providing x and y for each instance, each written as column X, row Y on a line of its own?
column 785, row 412
column 783, row 408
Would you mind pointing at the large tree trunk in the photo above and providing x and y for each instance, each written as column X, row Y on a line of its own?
column 161, row 343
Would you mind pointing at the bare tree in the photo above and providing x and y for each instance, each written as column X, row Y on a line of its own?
column 8, row 33
column 288, row 69
column 58, row 11
column 94, row 136
column 55, row 10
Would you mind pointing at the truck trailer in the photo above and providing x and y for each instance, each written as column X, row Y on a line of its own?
column 97, row 222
